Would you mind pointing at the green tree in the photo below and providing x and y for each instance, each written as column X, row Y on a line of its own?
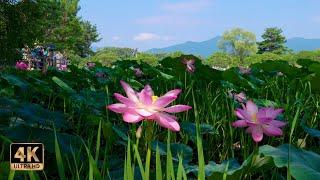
column 221, row 59
column 46, row 22
column 71, row 33
column 21, row 22
column 238, row 42
column 89, row 36
column 147, row 58
column 273, row 42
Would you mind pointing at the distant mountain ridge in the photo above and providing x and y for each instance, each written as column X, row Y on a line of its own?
column 206, row 48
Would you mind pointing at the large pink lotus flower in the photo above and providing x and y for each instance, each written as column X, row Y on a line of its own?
column 21, row 65
column 259, row 121
column 138, row 106
column 189, row 65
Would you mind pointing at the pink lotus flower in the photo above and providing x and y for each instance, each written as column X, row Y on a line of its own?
column 21, row 65
column 241, row 97
column 259, row 121
column 138, row 72
column 190, row 65
column 62, row 67
column 145, row 106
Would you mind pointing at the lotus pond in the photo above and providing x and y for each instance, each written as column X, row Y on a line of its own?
column 179, row 120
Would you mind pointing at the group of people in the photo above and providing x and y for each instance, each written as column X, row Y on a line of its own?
column 42, row 56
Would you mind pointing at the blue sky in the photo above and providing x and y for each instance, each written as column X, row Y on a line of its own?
column 146, row 24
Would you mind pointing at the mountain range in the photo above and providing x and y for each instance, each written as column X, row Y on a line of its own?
column 206, row 48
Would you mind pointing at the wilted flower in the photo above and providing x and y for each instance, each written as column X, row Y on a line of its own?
column 21, row 65
column 144, row 105
column 259, row 121
column 190, row 65
column 91, row 65
column 236, row 145
column 138, row 72
column 244, row 70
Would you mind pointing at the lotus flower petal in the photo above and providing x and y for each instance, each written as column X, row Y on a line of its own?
column 118, row 108
column 168, row 121
column 144, row 112
column 174, row 92
column 124, row 100
column 251, row 108
column 277, row 123
column 163, row 101
column 268, row 113
column 129, row 91
column 131, row 117
column 240, row 123
column 243, row 114
column 145, row 96
column 272, row 130
column 257, row 134
column 177, row 108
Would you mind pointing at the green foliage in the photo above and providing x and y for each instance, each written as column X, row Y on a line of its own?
column 222, row 59
column 109, row 55
column 147, row 58
column 273, row 41
column 238, row 42
column 312, row 55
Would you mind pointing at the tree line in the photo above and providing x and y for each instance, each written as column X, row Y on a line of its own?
column 26, row 22
column 239, row 47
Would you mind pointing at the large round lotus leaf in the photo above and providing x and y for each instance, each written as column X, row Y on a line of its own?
column 305, row 62
column 45, row 136
column 302, row 164
column 315, row 67
column 280, row 66
column 235, row 78
column 16, row 81
column 176, row 150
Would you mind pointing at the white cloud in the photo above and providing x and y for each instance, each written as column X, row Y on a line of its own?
column 115, row 38
column 151, row 37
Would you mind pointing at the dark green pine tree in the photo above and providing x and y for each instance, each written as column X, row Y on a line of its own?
column 273, row 42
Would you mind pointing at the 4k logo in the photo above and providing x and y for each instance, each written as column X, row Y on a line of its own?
column 26, row 156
